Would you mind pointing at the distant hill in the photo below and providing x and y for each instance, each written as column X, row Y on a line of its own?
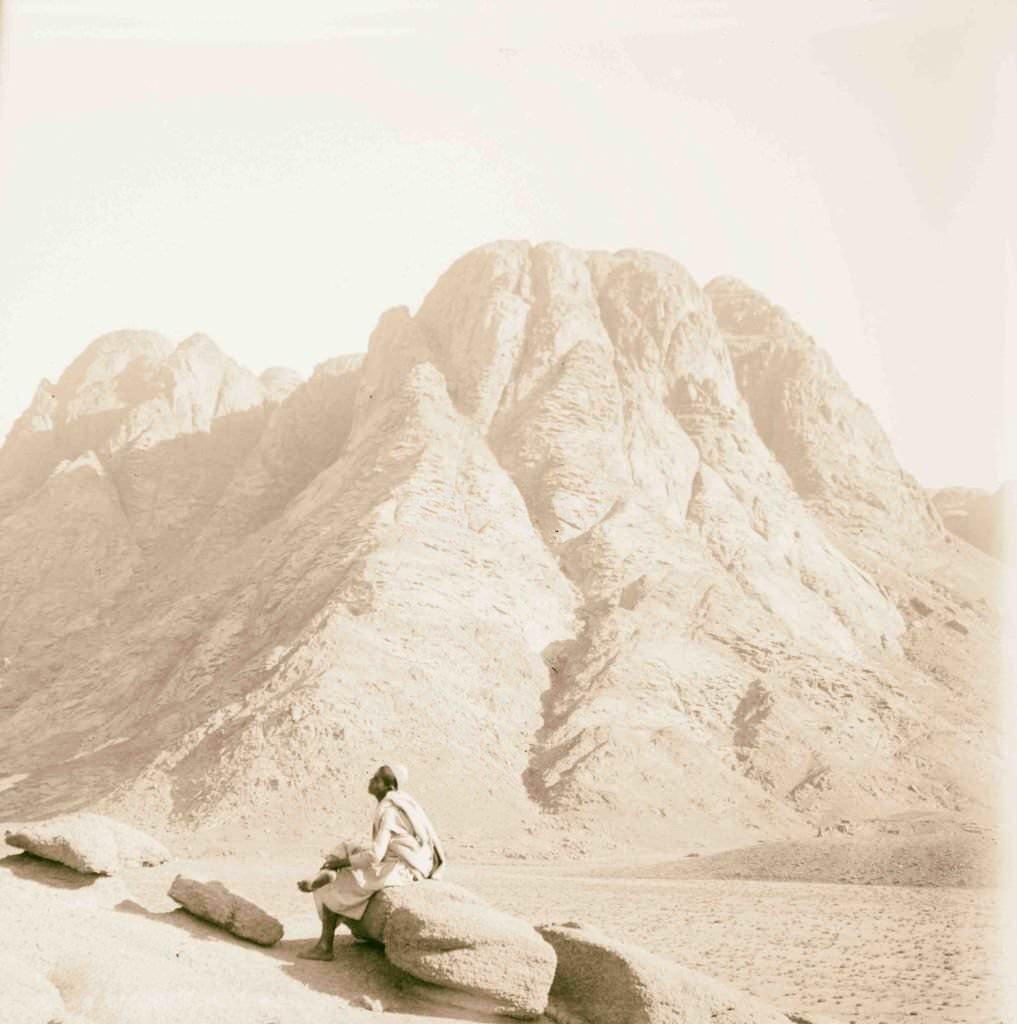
column 987, row 520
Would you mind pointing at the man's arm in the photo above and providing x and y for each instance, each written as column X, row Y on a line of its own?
column 338, row 857
column 375, row 853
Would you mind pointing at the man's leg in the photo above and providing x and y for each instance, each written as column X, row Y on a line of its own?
column 356, row 929
column 323, row 949
column 320, row 879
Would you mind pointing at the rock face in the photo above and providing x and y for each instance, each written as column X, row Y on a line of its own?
column 830, row 444
column 601, row 981
column 89, row 843
column 616, row 545
column 477, row 957
column 213, row 902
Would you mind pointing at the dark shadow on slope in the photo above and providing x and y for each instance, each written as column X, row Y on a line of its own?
column 360, row 969
column 556, row 656
column 47, row 872
column 557, row 703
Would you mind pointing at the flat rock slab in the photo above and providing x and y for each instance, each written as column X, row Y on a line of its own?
column 465, row 951
column 89, row 843
column 602, row 981
column 213, row 902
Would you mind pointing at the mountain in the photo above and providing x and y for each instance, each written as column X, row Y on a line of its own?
column 603, row 556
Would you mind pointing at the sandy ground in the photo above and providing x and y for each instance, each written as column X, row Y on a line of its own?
column 872, row 954
column 951, row 860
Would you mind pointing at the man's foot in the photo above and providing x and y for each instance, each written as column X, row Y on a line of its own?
column 316, row 952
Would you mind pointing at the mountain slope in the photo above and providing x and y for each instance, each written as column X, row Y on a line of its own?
column 579, row 541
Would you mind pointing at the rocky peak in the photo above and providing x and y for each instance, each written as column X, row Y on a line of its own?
column 199, row 342
column 38, row 417
column 278, row 382
column 107, row 357
column 128, row 392
column 103, row 379
column 508, row 317
column 338, row 365
column 742, row 310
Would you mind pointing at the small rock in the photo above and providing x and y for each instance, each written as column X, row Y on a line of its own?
column 213, row 902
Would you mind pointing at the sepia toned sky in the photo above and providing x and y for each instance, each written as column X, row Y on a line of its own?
column 277, row 175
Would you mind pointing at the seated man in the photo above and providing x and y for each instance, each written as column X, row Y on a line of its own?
column 404, row 848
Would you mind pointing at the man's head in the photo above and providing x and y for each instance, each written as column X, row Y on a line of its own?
column 383, row 781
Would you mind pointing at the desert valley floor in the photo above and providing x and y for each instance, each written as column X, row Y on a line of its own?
column 857, row 954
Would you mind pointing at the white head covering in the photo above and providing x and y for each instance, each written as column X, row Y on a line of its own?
column 402, row 774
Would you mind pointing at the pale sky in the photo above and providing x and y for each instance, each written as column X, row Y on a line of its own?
column 278, row 175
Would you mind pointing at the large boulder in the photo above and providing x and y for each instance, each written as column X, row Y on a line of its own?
column 466, row 952
column 213, row 902
column 602, row 981
column 89, row 843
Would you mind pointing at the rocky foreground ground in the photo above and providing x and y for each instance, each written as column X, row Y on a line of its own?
column 118, row 949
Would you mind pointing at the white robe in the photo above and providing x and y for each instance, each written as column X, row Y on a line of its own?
column 404, row 848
